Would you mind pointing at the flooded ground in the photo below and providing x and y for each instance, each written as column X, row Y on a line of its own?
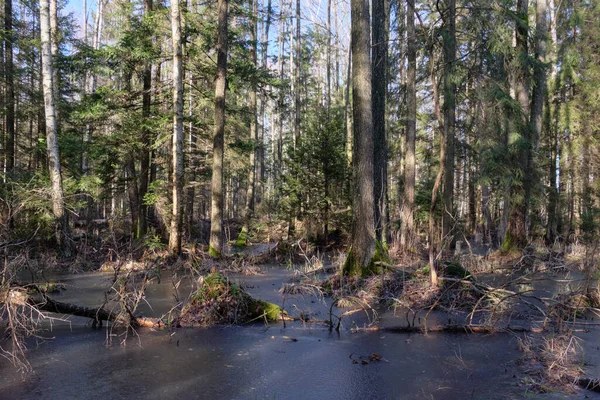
column 256, row 361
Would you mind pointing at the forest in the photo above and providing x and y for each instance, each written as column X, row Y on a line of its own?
column 412, row 168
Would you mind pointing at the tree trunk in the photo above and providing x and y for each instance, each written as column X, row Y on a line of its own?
column 438, row 179
column 516, row 235
column 10, row 86
column 551, row 130
column 58, row 204
column 449, row 121
column 144, row 174
column 216, row 212
column 252, row 175
column 329, row 49
column 407, row 236
column 177, row 149
column 380, row 29
column 539, row 74
column 54, row 51
column 297, row 62
column 348, row 109
column 360, row 259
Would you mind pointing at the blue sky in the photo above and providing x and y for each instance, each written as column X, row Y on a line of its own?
column 76, row 7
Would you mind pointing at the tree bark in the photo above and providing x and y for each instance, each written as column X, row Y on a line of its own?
column 407, row 235
column 449, row 36
column 10, row 86
column 363, row 219
column 516, row 235
column 297, row 62
column 440, row 175
column 58, row 203
column 380, row 30
column 539, row 74
column 144, row 174
column 216, row 212
column 328, row 89
column 177, row 148
column 252, row 173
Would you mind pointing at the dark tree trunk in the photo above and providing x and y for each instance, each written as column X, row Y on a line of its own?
column 408, row 204
column 10, row 86
column 516, row 235
column 146, row 138
column 449, row 36
column 380, row 29
column 363, row 219
column 252, row 173
column 216, row 213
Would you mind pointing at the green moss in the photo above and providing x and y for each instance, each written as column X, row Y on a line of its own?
column 214, row 252
column 242, row 238
column 219, row 300
column 454, row 269
column 507, row 244
column 269, row 310
column 352, row 267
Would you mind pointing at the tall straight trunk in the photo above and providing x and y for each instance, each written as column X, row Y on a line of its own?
column 550, row 128
column 192, row 163
column 216, row 212
column 145, row 153
column 177, row 149
column 539, row 74
column 132, row 194
column 54, row 51
column 336, row 80
column 297, row 62
column 90, row 84
column 261, row 170
column 449, row 120
column 61, row 222
column 348, row 109
column 10, row 86
column 518, row 222
column 538, row 96
column 440, row 175
column 379, row 25
column 280, row 100
column 360, row 259
column 328, row 89
column 407, row 235
column 252, row 175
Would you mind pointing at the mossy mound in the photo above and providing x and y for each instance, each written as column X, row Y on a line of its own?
column 221, row 301
column 455, row 270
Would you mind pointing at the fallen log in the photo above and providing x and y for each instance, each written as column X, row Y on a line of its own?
column 96, row 314
column 452, row 328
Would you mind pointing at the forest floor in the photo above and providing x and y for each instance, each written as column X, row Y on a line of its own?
column 525, row 320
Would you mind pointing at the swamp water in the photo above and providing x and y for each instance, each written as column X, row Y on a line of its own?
column 261, row 362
